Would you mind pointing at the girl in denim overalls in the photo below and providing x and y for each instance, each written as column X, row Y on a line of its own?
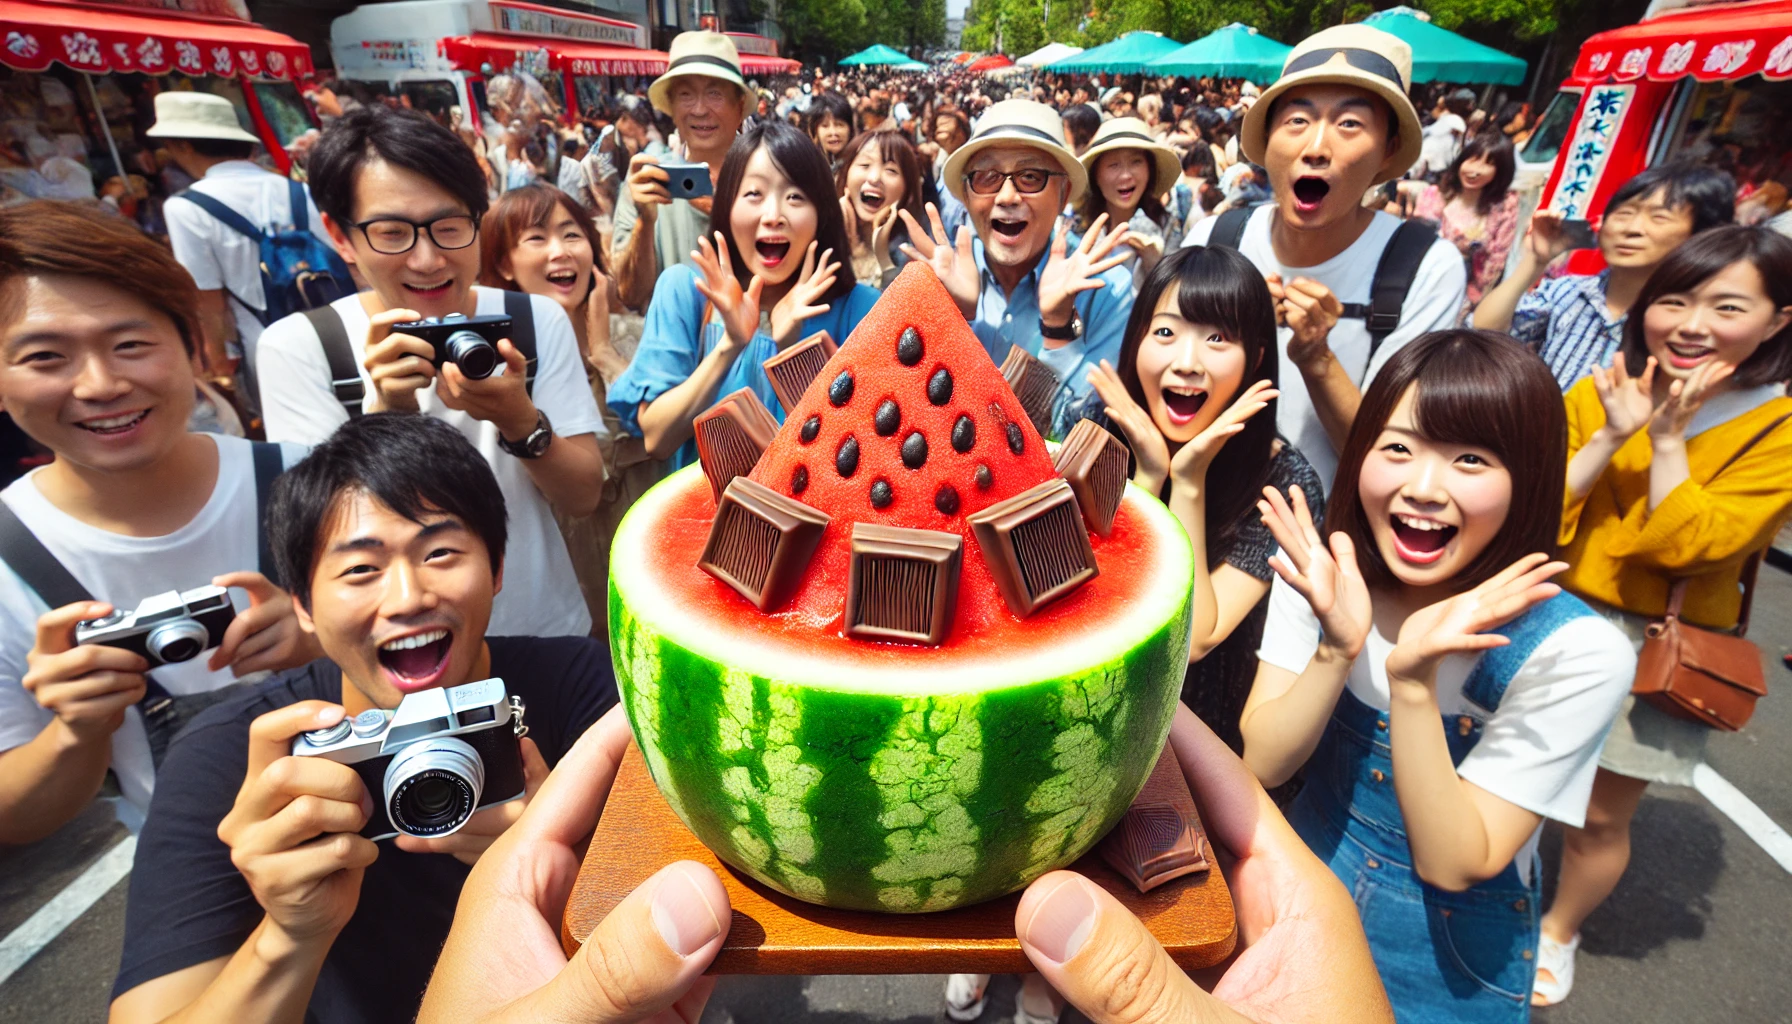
column 1443, row 696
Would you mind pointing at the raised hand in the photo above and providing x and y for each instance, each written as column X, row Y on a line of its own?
column 953, row 262
column 1628, row 401
column 1685, row 398
column 1459, row 624
column 267, row 635
column 881, row 229
column 802, row 301
column 1545, row 238
column 738, row 308
column 1189, row 467
column 1149, row 451
column 1311, row 311
column 1069, row 273
column 1327, row 577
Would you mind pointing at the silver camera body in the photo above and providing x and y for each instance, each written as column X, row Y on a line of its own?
column 443, row 755
column 165, row 628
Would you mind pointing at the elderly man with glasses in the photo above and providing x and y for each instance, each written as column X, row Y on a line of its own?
column 1017, row 281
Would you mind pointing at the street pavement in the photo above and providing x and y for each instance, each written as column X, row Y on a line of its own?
column 1696, row 931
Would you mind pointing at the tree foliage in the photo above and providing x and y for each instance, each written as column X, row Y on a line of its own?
column 836, row 28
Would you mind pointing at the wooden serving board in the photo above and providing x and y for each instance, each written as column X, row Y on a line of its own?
column 775, row 934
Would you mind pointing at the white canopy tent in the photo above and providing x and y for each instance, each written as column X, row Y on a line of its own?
column 1047, row 54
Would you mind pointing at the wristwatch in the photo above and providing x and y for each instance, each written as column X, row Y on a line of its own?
column 537, row 441
column 1069, row 332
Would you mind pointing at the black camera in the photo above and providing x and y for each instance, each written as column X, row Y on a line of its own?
column 469, row 342
column 165, row 628
column 441, row 756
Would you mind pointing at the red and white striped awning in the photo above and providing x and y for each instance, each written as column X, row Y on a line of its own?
column 97, row 38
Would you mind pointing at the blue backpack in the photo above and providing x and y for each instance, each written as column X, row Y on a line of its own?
column 298, row 271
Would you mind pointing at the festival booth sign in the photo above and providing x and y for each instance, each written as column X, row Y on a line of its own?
column 1131, row 54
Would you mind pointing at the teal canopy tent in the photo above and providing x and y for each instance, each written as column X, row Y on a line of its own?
column 878, row 54
column 1236, row 51
column 909, row 65
column 1440, row 55
column 1130, row 54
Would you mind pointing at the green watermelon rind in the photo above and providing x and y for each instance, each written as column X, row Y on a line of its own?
column 896, row 793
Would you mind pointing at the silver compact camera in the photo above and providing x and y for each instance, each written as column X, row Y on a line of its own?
column 165, row 628
column 441, row 756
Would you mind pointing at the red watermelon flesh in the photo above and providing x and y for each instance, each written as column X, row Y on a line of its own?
column 810, row 470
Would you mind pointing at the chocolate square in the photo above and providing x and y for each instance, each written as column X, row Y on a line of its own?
column 1160, row 837
column 1036, row 545
column 1034, row 384
column 1094, row 461
column 795, row 368
column 761, row 541
column 903, row 584
column 731, row 436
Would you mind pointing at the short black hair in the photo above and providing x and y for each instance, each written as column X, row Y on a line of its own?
column 1082, row 120
column 403, row 138
column 829, row 104
column 1709, row 194
column 412, row 464
column 222, row 149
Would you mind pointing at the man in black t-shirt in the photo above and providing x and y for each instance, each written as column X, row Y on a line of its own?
column 252, row 896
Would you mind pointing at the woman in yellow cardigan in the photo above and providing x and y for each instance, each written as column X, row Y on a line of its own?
column 1701, row 372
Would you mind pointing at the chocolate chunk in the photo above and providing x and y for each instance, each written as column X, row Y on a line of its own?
column 964, row 434
column 731, row 435
column 846, row 460
column 946, row 500
column 1160, row 838
column 908, row 347
column 811, row 429
column 1017, row 438
column 1094, row 461
column 1034, row 384
column 902, row 584
column 760, row 542
column 887, row 418
column 939, row 386
column 881, row 495
column 1036, row 545
column 985, row 479
column 914, row 450
column 840, row 392
column 795, row 368
column 799, row 479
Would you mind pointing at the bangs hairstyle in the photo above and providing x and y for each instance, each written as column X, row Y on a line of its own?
column 515, row 213
column 403, row 138
column 1494, row 148
column 1709, row 195
column 1474, row 388
column 1699, row 259
column 826, row 105
column 802, row 161
column 1221, row 288
column 414, row 465
column 48, row 237
column 1094, row 203
column 892, row 148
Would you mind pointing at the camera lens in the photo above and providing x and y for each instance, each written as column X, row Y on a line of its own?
column 180, row 640
column 475, row 356
column 433, row 787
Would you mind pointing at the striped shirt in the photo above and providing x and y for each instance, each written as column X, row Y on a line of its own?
column 1565, row 321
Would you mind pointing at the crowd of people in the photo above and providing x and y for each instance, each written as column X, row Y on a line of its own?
column 1436, row 491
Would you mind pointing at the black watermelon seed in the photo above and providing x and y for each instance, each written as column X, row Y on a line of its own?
column 881, row 495
column 946, row 499
column 840, row 392
column 939, row 386
column 846, row 460
column 888, row 418
column 964, row 434
column 985, row 479
column 1017, row 441
column 811, row 429
column 799, row 480
column 914, row 450
column 908, row 347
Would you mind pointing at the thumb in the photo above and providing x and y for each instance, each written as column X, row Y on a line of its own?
column 259, row 588
column 535, row 769
column 1103, row 960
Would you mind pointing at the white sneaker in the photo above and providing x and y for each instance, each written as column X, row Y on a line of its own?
column 1557, row 959
column 964, row 995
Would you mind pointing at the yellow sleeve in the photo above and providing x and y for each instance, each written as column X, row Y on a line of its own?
column 1585, row 415
column 1704, row 527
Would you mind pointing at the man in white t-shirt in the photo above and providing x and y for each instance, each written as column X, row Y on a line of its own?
column 402, row 197
column 98, row 329
column 1335, row 124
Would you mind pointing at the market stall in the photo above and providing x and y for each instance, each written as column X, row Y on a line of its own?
column 1130, row 54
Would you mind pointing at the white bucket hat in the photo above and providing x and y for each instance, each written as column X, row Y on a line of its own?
column 1018, row 122
column 710, row 54
column 196, row 115
column 1133, row 133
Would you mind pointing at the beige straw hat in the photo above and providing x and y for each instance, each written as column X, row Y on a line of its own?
column 1133, row 133
column 710, row 54
column 1018, row 122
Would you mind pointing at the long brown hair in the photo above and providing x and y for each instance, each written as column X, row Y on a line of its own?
column 892, row 148
column 515, row 212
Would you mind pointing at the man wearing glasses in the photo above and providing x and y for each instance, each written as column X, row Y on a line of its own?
column 1017, row 282
column 402, row 198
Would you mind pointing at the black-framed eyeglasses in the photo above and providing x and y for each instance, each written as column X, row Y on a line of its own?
column 392, row 236
column 1029, row 180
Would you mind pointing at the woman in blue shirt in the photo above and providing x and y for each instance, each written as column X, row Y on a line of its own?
column 775, row 273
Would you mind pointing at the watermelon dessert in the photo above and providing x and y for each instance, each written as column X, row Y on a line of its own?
column 904, row 664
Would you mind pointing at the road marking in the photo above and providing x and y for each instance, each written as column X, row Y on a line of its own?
column 1740, row 809
column 41, row 928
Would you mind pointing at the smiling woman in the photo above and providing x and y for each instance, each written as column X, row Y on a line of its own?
column 880, row 173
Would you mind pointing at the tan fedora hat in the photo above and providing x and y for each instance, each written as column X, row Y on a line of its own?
column 710, row 54
column 1018, row 122
column 196, row 115
column 1132, row 133
column 1356, row 55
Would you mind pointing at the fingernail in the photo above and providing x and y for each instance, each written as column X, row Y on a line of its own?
column 682, row 914
column 332, row 714
column 1062, row 921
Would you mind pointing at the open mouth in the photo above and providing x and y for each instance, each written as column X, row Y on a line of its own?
column 871, row 199
column 563, row 278
column 114, row 426
column 1419, row 540
column 416, row 662
column 1309, row 193
column 430, row 291
column 1007, row 228
column 1685, row 357
column 1183, row 404
column 772, row 250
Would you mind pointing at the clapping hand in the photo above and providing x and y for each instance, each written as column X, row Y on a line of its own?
column 1459, row 624
column 1669, row 420
column 738, row 308
column 953, row 262
column 1328, row 578
column 1310, row 310
column 802, row 301
column 1149, row 452
column 1189, row 467
column 1068, row 273
column 1629, row 401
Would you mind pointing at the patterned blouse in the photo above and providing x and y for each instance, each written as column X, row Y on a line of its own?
column 1495, row 233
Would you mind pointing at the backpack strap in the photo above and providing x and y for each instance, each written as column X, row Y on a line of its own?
column 270, row 462
column 301, row 212
column 518, row 308
column 41, row 570
column 1394, row 276
column 345, row 376
column 1228, row 231
column 1495, row 668
column 229, row 217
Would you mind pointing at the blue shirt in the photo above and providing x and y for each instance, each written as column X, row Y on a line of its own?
column 1565, row 320
column 673, row 342
column 1004, row 320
